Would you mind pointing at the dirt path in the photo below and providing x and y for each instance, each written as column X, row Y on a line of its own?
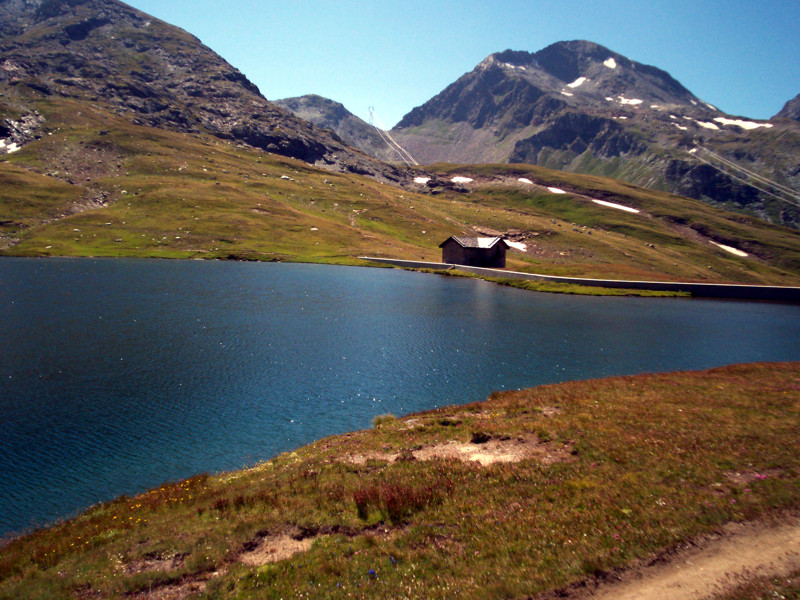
column 715, row 564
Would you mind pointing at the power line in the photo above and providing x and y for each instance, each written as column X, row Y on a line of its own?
column 752, row 174
column 404, row 154
column 748, row 183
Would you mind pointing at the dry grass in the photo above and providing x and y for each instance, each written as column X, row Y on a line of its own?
column 614, row 471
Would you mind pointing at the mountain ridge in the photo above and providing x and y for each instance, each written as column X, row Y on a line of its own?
column 580, row 107
column 154, row 73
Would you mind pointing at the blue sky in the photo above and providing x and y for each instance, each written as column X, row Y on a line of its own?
column 741, row 56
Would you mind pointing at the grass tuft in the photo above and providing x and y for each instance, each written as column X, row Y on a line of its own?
column 380, row 420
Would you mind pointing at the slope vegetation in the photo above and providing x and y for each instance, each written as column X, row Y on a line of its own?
column 95, row 184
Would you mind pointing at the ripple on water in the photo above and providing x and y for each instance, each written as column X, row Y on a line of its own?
column 117, row 375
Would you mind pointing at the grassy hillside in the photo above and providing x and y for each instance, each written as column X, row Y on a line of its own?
column 97, row 185
column 671, row 237
column 525, row 493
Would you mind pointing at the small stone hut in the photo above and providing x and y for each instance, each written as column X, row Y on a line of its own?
column 489, row 252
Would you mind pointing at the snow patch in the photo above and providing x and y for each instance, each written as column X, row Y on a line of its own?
column 555, row 190
column 693, row 150
column 673, row 117
column 631, row 101
column 742, row 123
column 731, row 249
column 422, row 180
column 610, row 63
column 712, row 107
column 525, row 180
column 681, row 127
column 8, row 147
column 578, row 82
column 567, row 94
column 510, row 66
column 617, row 206
column 459, row 179
column 609, row 99
column 693, row 102
column 517, row 245
column 707, row 125
column 655, row 106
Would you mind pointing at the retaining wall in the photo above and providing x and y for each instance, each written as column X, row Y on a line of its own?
column 702, row 290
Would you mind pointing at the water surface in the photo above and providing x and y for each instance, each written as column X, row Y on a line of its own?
column 118, row 375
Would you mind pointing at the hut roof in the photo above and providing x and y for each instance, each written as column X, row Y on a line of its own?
column 475, row 242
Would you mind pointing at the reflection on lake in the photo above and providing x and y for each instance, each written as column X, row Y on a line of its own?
column 118, row 375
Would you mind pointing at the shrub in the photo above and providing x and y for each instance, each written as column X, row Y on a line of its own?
column 398, row 501
column 382, row 420
column 365, row 498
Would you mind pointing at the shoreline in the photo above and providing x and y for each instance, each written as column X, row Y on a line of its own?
column 520, row 458
column 728, row 291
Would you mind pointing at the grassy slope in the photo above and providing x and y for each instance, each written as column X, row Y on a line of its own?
column 636, row 465
column 97, row 185
column 588, row 238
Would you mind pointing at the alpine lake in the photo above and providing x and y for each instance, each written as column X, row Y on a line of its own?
column 117, row 375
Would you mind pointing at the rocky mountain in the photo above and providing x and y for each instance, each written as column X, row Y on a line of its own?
column 333, row 116
column 110, row 55
column 580, row 107
column 791, row 110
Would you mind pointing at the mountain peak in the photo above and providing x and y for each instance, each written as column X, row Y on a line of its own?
column 575, row 74
column 579, row 106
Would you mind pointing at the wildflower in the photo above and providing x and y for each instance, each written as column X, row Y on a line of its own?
column 373, row 574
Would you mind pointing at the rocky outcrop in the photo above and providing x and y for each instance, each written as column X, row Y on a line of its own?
column 15, row 133
column 577, row 133
column 704, row 182
column 334, row 117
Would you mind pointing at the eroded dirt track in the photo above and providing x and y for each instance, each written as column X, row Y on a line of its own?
column 706, row 569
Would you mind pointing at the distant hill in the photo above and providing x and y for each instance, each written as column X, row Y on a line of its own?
column 791, row 110
column 578, row 106
column 106, row 53
column 352, row 130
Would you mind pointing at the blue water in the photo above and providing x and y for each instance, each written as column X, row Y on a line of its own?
column 118, row 375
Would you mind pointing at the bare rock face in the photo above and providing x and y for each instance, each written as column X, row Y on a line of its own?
column 156, row 74
column 333, row 116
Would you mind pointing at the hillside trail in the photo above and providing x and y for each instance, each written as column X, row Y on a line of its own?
column 708, row 567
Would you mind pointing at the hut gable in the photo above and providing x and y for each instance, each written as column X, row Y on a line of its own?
column 475, row 251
